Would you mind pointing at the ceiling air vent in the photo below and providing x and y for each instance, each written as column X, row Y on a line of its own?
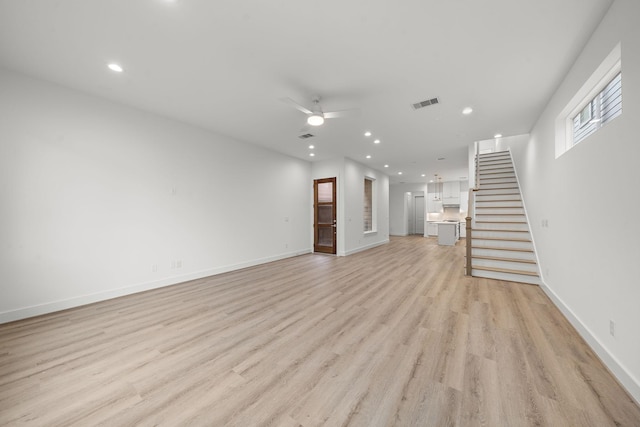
column 306, row 136
column 426, row 103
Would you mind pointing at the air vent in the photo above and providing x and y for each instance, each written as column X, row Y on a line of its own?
column 306, row 136
column 426, row 103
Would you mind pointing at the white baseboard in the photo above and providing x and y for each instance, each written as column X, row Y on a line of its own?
column 617, row 369
column 364, row 248
column 53, row 306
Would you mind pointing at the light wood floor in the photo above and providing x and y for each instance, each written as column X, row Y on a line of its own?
column 394, row 336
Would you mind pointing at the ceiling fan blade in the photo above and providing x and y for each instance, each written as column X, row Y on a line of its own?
column 295, row 105
column 343, row 113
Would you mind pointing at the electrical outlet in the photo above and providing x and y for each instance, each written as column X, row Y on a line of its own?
column 612, row 328
column 154, row 268
column 179, row 263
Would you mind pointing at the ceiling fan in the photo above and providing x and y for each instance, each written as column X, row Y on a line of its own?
column 315, row 115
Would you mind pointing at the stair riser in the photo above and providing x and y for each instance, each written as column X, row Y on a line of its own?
column 505, row 254
column 480, row 211
column 495, row 155
column 500, row 218
column 488, row 198
column 493, row 175
column 533, row 268
column 498, row 204
column 479, row 234
column 511, row 187
column 505, row 166
column 505, row 244
column 506, row 276
column 505, row 182
column 478, row 226
column 487, row 192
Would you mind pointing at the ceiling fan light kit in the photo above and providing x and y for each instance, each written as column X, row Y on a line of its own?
column 315, row 119
column 315, row 115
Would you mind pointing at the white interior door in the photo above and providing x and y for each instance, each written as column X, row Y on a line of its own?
column 419, row 215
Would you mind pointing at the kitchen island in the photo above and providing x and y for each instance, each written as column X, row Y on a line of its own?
column 448, row 232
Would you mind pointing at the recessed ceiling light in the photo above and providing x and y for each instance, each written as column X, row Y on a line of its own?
column 386, row 166
column 311, row 147
column 367, row 133
column 311, row 154
column 423, row 175
column 430, row 180
column 497, row 135
column 368, row 156
column 377, row 141
column 399, row 173
column 115, row 67
column 467, row 110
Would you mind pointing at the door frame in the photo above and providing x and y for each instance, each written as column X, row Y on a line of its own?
column 316, row 227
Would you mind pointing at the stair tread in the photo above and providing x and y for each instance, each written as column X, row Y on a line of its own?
column 497, row 248
column 499, row 200
column 504, row 270
column 499, row 258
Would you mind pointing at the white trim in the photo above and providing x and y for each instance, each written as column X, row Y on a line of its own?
column 619, row 371
column 50, row 307
column 364, row 248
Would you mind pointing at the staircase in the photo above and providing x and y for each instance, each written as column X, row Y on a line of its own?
column 501, row 246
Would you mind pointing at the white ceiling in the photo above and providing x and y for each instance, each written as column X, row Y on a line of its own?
column 224, row 64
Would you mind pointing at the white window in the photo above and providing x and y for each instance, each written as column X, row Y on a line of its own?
column 595, row 104
column 369, row 203
column 604, row 107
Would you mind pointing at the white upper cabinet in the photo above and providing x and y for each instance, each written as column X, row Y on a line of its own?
column 451, row 193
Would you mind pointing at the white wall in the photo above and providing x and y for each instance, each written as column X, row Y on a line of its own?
column 355, row 238
column 589, row 252
column 94, row 194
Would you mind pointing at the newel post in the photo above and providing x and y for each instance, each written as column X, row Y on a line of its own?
column 468, row 243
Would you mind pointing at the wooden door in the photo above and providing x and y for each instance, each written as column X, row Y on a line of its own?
column 324, row 215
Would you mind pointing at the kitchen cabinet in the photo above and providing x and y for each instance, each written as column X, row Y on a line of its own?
column 433, row 205
column 432, row 228
column 463, row 229
column 451, row 193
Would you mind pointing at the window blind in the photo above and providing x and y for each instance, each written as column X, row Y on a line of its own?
column 606, row 106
